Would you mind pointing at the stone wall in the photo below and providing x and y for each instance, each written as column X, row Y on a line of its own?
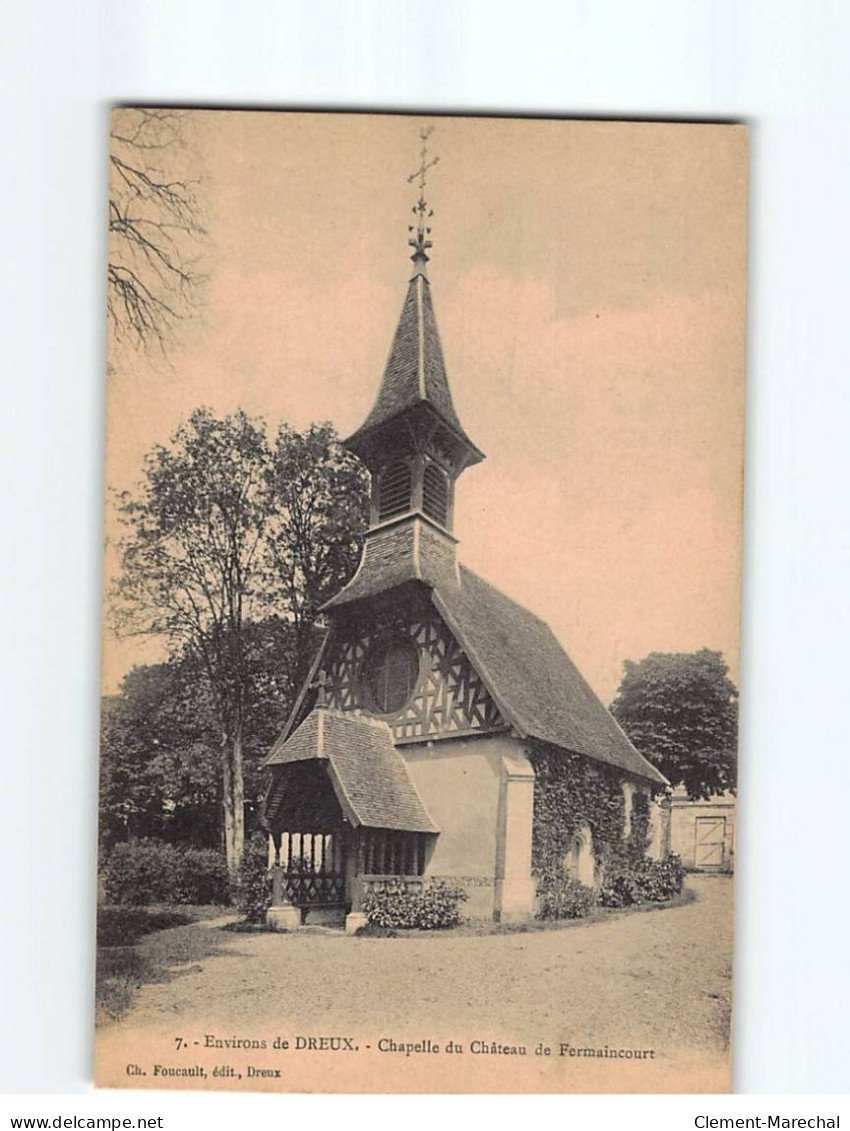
column 702, row 833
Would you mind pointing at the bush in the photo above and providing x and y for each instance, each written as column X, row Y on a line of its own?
column 253, row 890
column 439, row 906
column 565, row 898
column 124, row 926
column 642, row 880
column 148, row 871
column 435, row 906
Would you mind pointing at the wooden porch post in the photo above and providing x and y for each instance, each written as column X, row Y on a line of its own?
column 282, row 913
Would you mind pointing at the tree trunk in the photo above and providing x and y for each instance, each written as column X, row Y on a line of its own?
column 233, row 800
column 238, row 798
column 227, row 806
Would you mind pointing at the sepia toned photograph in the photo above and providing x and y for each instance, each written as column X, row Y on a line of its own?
column 419, row 723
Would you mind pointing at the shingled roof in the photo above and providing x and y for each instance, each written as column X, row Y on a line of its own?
column 532, row 679
column 369, row 776
column 398, row 554
column 415, row 372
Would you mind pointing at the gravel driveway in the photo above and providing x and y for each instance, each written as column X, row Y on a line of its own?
column 659, row 979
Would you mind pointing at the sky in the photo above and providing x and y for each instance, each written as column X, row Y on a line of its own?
column 588, row 280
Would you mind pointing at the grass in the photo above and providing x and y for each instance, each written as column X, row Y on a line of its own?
column 140, row 945
column 246, row 927
column 598, row 915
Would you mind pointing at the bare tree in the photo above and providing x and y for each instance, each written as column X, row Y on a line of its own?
column 155, row 226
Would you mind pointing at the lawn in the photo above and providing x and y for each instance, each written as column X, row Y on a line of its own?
column 171, row 939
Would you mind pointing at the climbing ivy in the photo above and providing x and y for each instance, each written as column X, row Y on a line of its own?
column 571, row 793
column 638, row 839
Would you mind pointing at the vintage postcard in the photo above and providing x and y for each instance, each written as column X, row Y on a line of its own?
column 423, row 530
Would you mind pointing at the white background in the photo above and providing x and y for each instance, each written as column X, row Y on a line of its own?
column 782, row 65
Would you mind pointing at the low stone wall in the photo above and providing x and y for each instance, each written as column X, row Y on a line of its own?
column 479, row 891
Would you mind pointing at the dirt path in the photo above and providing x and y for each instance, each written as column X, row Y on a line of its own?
column 659, row 978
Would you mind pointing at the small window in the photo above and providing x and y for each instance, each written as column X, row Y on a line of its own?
column 394, row 490
column 390, row 676
column 435, row 494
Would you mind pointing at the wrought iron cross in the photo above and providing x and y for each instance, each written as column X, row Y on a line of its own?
column 424, row 163
column 419, row 242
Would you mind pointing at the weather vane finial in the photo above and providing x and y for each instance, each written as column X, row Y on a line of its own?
column 420, row 242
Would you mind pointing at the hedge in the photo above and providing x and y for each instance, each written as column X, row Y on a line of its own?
column 565, row 899
column 642, row 881
column 146, row 871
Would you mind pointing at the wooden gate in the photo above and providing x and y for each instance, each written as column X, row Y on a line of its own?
column 710, row 845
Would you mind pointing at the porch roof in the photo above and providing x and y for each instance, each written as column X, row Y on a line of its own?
column 369, row 776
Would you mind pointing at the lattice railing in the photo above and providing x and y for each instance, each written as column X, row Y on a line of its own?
column 309, row 889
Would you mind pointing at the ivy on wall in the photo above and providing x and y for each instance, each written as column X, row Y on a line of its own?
column 638, row 840
column 571, row 793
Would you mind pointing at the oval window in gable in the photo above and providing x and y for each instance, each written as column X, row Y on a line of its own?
column 390, row 676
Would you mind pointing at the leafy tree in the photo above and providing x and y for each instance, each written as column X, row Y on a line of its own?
column 680, row 710
column 160, row 755
column 155, row 226
column 320, row 497
column 189, row 570
column 159, row 758
column 221, row 532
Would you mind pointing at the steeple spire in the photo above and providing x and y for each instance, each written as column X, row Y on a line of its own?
column 414, row 400
column 412, row 442
column 419, row 241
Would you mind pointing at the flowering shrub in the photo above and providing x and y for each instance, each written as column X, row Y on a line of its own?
column 439, row 905
column 641, row 880
column 252, row 892
column 432, row 907
column 149, row 871
column 565, row 899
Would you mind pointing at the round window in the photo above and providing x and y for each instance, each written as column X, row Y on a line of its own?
column 390, row 676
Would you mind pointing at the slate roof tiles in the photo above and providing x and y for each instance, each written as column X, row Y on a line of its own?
column 369, row 776
column 415, row 371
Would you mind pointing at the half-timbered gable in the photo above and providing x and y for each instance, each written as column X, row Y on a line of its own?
column 447, row 698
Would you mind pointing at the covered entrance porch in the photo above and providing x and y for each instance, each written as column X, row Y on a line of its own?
column 344, row 820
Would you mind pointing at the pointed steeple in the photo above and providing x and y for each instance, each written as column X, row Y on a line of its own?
column 413, row 444
column 415, row 373
column 414, row 377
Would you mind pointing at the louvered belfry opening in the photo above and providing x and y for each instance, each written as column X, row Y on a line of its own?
column 435, row 494
column 395, row 489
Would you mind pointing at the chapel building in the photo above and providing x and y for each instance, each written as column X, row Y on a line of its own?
column 407, row 753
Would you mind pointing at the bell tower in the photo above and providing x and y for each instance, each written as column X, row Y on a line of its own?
column 412, row 441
